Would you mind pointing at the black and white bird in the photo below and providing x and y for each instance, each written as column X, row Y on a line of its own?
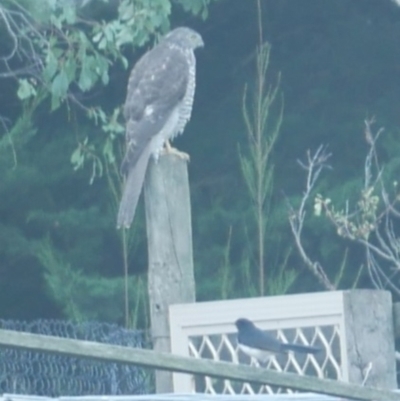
column 158, row 105
column 260, row 345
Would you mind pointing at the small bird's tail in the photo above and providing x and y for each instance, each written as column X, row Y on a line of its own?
column 304, row 349
column 132, row 189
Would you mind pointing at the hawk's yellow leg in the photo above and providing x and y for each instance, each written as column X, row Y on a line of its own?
column 171, row 150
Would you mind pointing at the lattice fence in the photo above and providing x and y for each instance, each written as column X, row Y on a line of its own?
column 206, row 330
column 36, row 373
column 224, row 348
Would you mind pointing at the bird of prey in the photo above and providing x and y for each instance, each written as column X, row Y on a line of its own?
column 260, row 345
column 158, row 105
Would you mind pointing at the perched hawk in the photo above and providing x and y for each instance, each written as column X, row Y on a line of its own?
column 158, row 105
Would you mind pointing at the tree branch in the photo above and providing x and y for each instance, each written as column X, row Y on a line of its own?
column 314, row 165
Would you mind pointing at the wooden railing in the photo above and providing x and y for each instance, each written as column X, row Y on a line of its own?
column 169, row 362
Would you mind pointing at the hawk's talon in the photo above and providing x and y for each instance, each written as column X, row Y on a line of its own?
column 168, row 150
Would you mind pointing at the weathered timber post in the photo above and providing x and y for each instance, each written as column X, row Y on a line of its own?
column 169, row 234
column 396, row 319
column 369, row 336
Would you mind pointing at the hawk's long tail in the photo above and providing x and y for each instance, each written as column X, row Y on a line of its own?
column 132, row 189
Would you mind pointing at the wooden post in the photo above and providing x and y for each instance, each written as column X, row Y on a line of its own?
column 396, row 319
column 369, row 337
column 169, row 233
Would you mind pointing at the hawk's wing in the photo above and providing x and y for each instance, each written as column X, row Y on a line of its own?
column 156, row 87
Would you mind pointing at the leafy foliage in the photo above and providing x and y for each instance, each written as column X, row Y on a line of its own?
column 61, row 54
column 70, row 53
column 85, row 297
column 335, row 72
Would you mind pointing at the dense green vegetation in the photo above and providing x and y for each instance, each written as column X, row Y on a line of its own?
column 333, row 65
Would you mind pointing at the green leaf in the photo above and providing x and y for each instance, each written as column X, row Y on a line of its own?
column 124, row 62
column 51, row 66
column 96, row 38
column 103, row 43
column 109, row 33
column 69, row 13
column 108, row 151
column 101, row 67
column 77, row 158
column 70, row 67
column 56, row 21
column 60, row 84
column 25, row 89
column 55, row 102
column 52, row 4
column 86, row 76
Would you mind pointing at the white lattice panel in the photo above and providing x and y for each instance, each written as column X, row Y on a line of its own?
column 206, row 330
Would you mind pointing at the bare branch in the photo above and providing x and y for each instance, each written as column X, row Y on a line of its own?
column 26, row 39
column 371, row 223
column 314, row 165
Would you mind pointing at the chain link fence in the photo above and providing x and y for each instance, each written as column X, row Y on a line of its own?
column 38, row 373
